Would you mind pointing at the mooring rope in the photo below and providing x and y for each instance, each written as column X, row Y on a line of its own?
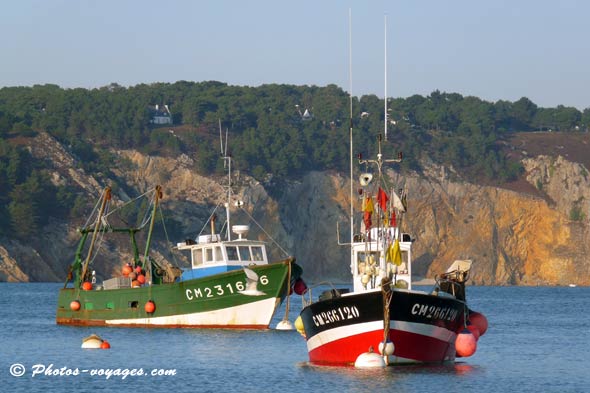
column 286, row 317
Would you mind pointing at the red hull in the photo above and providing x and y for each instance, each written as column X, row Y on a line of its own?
column 409, row 347
column 422, row 328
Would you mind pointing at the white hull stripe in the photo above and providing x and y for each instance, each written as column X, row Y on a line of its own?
column 256, row 313
column 327, row 336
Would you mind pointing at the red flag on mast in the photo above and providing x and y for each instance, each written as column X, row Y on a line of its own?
column 382, row 199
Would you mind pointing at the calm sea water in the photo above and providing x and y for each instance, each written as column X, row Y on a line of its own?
column 537, row 341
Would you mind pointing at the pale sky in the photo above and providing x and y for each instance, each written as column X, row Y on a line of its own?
column 492, row 49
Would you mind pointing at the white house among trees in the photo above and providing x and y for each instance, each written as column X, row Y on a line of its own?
column 161, row 114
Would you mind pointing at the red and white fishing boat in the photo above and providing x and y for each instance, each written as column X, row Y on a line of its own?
column 383, row 320
column 383, row 313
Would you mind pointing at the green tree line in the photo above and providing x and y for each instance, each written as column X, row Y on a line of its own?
column 283, row 130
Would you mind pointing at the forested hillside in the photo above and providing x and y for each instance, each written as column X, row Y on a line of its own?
column 275, row 131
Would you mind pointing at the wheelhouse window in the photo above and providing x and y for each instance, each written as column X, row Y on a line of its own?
column 232, row 253
column 209, row 255
column 244, row 253
column 197, row 257
column 257, row 254
column 218, row 254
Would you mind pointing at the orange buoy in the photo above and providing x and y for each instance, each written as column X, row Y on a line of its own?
column 135, row 284
column 75, row 305
column 479, row 320
column 105, row 345
column 132, row 276
column 138, row 269
column 126, row 270
column 300, row 287
column 87, row 286
column 150, row 306
column 465, row 344
column 141, row 278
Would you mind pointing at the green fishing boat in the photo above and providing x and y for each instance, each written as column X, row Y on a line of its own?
column 230, row 283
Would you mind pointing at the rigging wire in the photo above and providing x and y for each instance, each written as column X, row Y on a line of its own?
column 166, row 235
column 147, row 215
column 94, row 210
column 208, row 220
column 151, row 190
column 266, row 233
column 100, row 235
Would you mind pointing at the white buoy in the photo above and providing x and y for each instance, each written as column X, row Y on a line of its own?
column 285, row 324
column 369, row 360
column 92, row 342
column 389, row 348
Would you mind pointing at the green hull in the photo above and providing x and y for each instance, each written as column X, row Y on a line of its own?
column 212, row 301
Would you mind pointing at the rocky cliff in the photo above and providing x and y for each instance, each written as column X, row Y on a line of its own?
column 512, row 237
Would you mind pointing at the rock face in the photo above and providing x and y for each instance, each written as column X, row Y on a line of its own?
column 513, row 238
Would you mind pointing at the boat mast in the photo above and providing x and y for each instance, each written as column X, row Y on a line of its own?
column 105, row 197
column 226, row 163
column 157, row 197
column 385, row 94
column 350, row 136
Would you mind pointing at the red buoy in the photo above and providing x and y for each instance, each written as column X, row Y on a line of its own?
column 75, row 305
column 138, row 269
column 474, row 330
column 126, row 270
column 479, row 320
column 87, row 286
column 141, row 278
column 300, row 287
column 465, row 344
column 105, row 345
column 150, row 306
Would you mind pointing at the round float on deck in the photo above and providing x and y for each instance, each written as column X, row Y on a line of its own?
column 126, row 270
column 75, row 305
